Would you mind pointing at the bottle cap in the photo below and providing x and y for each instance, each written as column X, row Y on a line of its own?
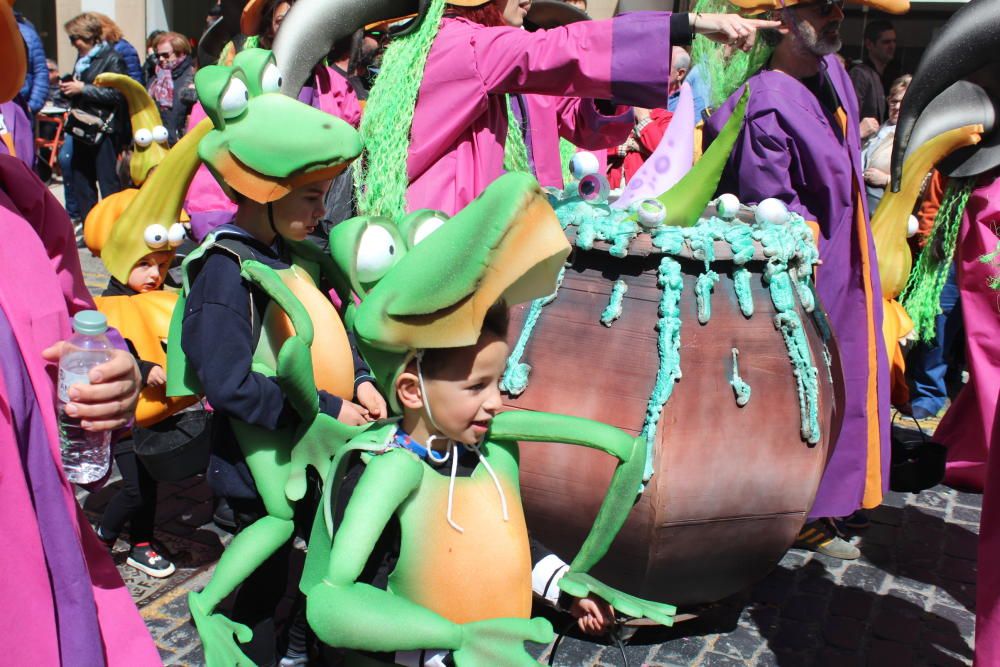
column 90, row 323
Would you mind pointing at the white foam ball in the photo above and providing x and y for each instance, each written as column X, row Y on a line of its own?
column 727, row 206
column 583, row 164
column 650, row 213
column 772, row 211
column 912, row 225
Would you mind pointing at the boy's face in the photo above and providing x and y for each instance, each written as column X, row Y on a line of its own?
column 464, row 392
column 150, row 271
column 297, row 213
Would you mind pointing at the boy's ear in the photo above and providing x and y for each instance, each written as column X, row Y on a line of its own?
column 408, row 391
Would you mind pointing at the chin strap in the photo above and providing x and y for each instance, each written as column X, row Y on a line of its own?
column 452, row 452
column 270, row 218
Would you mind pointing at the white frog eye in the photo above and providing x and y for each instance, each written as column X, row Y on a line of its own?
column 234, row 100
column 155, row 236
column 428, row 226
column 160, row 134
column 270, row 80
column 583, row 164
column 771, row 211
column 143, row 137
column 176, row 235
column 727, row 205
column 377, row 252
column 650, row 213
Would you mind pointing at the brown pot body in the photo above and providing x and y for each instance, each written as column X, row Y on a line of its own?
column 732, row 485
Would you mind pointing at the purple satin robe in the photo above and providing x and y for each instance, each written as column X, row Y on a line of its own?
column 18, row 124
column 791, row 149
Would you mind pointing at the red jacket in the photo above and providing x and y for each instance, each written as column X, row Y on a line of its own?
column 647, row 135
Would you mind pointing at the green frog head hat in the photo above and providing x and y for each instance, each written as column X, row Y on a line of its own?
column 264, row 144
column 505, row 245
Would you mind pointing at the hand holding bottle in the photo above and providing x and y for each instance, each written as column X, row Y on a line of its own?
column 108, row 402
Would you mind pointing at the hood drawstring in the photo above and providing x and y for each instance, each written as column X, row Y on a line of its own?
column 453, row 452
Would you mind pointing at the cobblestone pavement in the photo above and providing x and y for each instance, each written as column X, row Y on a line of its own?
column 909, row 600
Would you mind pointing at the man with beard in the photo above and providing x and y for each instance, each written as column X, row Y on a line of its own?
column 800, row 144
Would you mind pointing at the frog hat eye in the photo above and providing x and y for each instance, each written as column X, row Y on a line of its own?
column 143, row 137
column 378, row 251
column 160, row 134
column 156, row 237
column 175, row 235
column 270, row 79
column 234, row 99
column 420, row 224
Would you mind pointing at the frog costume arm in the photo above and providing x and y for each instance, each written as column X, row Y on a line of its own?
column 319, row 436
column 631, row 452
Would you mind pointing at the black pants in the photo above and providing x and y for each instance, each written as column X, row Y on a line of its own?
column 93, row 166
column 135, row 503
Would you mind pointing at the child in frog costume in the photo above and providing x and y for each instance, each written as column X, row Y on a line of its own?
column 278, row 179
column 408, row 534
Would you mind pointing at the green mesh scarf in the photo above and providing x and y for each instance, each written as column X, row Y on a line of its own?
column 922, row 295
column 567, row 150
column 993, row 259
column 725, row 72
column 380, row 175
column 515, row 153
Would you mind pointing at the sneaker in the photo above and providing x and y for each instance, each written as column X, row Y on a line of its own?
column 223, row 516
column 145, row 559
column 820, row 536
column 108, row 542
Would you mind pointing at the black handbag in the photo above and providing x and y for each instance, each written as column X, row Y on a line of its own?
column 87, row 127
column 177, row 447
column 917, row 461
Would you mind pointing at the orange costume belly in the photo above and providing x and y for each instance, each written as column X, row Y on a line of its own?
column 333, row 363
column 482, row 573
column 144, row 319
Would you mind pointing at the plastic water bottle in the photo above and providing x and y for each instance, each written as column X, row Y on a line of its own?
column 86, row 455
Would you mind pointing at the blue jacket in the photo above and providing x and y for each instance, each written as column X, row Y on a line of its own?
column 36, row 83
column 132, row 63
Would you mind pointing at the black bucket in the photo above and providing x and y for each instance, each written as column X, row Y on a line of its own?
column 177, row 447
column 917, row 461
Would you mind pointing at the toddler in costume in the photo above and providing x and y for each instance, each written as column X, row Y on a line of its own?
column 135, row 503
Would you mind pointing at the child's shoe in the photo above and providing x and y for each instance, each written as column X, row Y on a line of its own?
column 145, row 559
column 109, row 542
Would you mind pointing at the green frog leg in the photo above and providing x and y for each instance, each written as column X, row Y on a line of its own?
column 349, row 614
column 267, row 457
column 614, row 510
